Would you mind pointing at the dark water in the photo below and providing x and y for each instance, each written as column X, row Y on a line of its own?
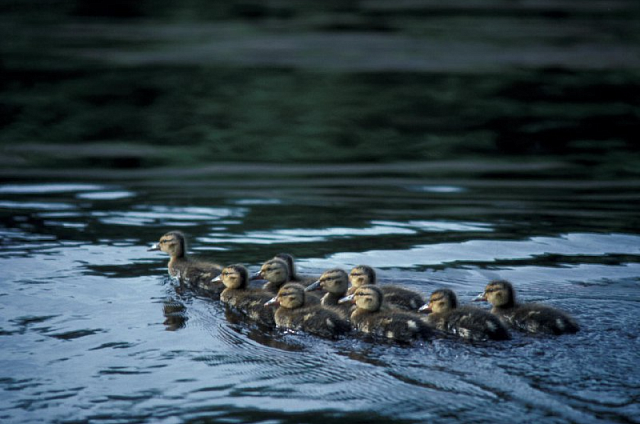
column 93, row 330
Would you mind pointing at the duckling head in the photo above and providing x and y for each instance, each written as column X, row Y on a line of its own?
column 274, row 270
column 289, row 260
column 233, row 277
column 362, row 275
column 290, row 296
column 442, row 300
column 499, row 293
column 172, row 243
column 333, row 281
column 368, row 297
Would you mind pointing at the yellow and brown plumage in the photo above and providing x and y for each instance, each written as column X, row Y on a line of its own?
column 276, row 272
column 335, row 283
column 395, row 296
column 372, row 318
column 296, row 314
column 294, row 277
column 466, row 321
column 249, row 301
column 528, row 317
column 197, row 274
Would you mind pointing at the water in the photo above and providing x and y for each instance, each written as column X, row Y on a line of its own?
column 93, row 330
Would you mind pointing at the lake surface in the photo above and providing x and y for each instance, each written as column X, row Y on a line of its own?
column 93, row 330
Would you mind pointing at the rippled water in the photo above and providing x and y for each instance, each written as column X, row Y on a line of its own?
column 92, row 329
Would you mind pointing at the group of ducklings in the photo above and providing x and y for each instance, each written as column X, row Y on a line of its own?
column 327, row 306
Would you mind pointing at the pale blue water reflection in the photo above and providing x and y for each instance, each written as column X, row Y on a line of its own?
column 93, row 330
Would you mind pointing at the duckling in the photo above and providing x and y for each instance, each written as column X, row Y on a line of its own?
column 528, row 317
column 335, row 282
column 372, row 318
column 466, row 321
column 276, row 272
column 293, row 274
column 197, row 274
column 295, row 313
column 394, row 296
column 248, row 301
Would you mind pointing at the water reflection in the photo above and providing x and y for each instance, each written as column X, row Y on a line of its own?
column 111, row 313
column 106, row 195
column 175, row 314
column 48, row 188
column 35, row 205
column 492, row 251
column 169, row 216
column 437, row 189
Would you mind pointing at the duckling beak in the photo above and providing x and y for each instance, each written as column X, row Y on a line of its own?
column 346, row 299
column 273, row 302
column 426, row 308
column 482, row 297
column 314, row 286
column 155, row 246
column 256, row 276
column 217, row 279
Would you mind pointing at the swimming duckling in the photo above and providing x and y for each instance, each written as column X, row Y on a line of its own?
column 295, row 313
column 335, row 282
column 249, row 301
column 466, row 321
column 195, row 273
column 529, row 317
column 369, row 317
column 276, row 272
column 394, row 296
column 293, row 274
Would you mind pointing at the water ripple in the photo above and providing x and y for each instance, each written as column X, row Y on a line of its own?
column 476, row 251
column 106, row 195
column 163, row 215
column 48, row 206
column 47, row 188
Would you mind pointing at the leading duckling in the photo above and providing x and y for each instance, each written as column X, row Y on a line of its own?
column 394, row 296
column 295, row 313
column 194, row 273
column 372, row 318
column 528, row 317
column 335, row 282
column 249, row 301
column 467, row 322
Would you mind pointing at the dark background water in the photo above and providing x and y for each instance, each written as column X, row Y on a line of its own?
column 445, row 144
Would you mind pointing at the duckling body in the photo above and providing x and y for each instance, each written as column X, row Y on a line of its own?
column 248, row 301
column 394, row 296
column 294, row 277
column 197, row 274
column 371, row 318
column 276, row 272
column 294, row 313
column 528, row 317
column 467, row 322
column 335, row 283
